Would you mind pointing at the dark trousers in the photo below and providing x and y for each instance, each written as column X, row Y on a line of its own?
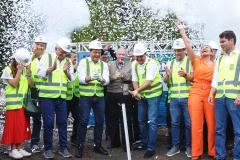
column 37, row 124
column 116, row 120
column 134, row 120
column 98, row 106
column 50, row 107
column 73, row 107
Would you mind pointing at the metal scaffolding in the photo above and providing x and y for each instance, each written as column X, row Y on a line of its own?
column 161, row 46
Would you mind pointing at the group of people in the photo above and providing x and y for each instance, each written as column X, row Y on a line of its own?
column 204, row 88
column 200, row 87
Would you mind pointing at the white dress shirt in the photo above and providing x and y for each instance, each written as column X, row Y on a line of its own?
column 43, row 66
column 82, row 71
column 215, row 74
column 151, row 70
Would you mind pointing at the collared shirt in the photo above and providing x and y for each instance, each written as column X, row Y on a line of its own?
column 215, row 74
column 82, row 72
column 43, row 66
column 151, row 72
column 120, row 65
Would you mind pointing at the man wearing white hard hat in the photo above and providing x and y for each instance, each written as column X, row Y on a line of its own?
column 93, row 75
column 147, row 89
column 16, row 127
column 178, row 76
column 39, row 48
column 56, row 70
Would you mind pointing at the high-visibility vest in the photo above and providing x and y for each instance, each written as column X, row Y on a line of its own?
column 180, row 87
column 156, row 86
column 76, row 90
column 69, row 91
column 34, row 67
column 55, row 85
column 73, row 88
column 228, row 76
column 93, row 87
column 15, row 95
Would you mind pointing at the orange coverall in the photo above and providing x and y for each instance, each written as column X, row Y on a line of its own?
column 199, row 108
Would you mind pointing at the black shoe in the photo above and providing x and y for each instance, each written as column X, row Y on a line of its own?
column 100, row 150
column 139, row 147
column 74, row 144
column 149, row 154
column 79, row 152
column 113, row 146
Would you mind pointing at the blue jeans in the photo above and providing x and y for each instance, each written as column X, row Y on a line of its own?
column 148, row 113
column 223, row 106
column 37, row 124
column 98, row 106
column 50, row 107
column 178, row 107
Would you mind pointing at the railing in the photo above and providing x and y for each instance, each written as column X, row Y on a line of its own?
column 128, row 45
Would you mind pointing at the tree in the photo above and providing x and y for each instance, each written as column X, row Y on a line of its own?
column 19, row 25
column 114, row 20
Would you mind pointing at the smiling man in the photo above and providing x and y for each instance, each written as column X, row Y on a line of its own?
column 93, row 75
column 147, row 89
column 56, row 71
column 178, row 77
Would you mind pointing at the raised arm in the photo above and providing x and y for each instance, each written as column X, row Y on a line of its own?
column 187, row 42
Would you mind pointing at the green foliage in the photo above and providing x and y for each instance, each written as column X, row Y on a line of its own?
column 114, row 20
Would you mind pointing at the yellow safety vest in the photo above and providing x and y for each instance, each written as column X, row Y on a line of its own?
column 179, row 86
column 34, row 67
column 228, row 76
column 55, row 85
column 73, row 88
column 156, row 86
column 15, row 95
column 93, row 87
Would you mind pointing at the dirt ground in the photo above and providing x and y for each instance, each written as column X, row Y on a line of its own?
column 115, row 154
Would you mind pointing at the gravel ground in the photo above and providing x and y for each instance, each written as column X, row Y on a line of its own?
column 115, row 154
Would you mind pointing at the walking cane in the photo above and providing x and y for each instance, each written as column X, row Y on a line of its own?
column 126, row 131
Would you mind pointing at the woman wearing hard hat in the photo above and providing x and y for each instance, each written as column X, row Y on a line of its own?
column 198, row 105
column 16, row 127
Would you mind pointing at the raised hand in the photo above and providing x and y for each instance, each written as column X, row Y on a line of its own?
column 179, row 25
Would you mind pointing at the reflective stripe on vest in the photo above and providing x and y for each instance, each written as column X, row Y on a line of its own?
column 69, row 91
column 93, row 87
column 56, row 84
column 180, row 87
column 156, row 86
column 228, row 84
column 15, row 95
column 76, row 90
column 34, row 67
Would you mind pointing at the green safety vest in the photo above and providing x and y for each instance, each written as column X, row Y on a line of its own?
column 179, row 86
column 156, row 86
column 55, row 85
column 228, row 76
column 93, row 87
column 73, row 88
column 15, row 95
column 34, row 67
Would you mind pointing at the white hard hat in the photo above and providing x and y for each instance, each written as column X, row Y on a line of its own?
column 95, row 45
column 40, row 39
column 178, row 44
column 64, row 43
column 23, row 56
column 139, row 49
column 213, row 45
